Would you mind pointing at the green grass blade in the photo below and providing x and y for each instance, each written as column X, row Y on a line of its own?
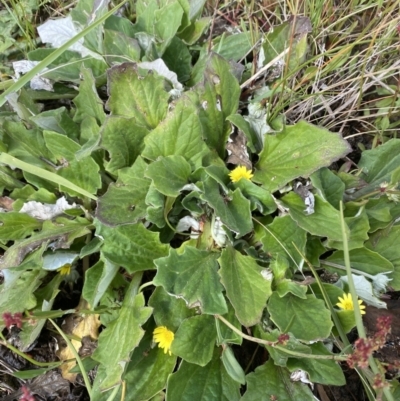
column 57, row 53
column 40, row 172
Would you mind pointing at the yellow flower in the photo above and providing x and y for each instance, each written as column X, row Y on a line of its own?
column 240, row 172
column 164, row 338
column 346, row 303
column 65, row 270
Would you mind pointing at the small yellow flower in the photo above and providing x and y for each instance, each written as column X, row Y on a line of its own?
column 164, row 338
column 65, row 270
column 346, row 303
column 240, row 172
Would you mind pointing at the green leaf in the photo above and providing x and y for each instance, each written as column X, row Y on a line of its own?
column 124, row 201
column 14, row 225
column 282, row 238
column 156, row 204
column 259, row 198
column 356, row 219
column 324, row 371
column 16, row 294
column 135, row 95
column 57, row 120
column 286, row 286
column 330, row 186
column 324, row 222
column 232, row 366
column 83, row 173
column 179, row 134
column 45, row 175
column 378, row 166
column 19, row 283
column 208, row 383
column 178, row 59
column 347, row 319
column 169, row 311
column 161, row 20
column 254, row 141
column 131, row 246
column 118, row 47
column 88, row 102
column 234, row 47
column 45, row 297
column 379, row 213
column 169, row 174
column 121, row 336
column 8, row 179
column 298, row 151
column 193, row 32
column 90, row 248
column 225, row 334
column 195, row 339
column 217, row 98
column 386, row 244
column 27, row 193
column 193, row 276
column 307, row 319
column 97, row 280
column 62, row 233
column 362, row 259
column 270, row 381
column 84, row 13
column 124, row 140
column 245, row 285
column 90, row 137
column 233, row 210
column 147, row 372
column 27, row 145
column 68, row 67
column 119, row 24
column 314, row 249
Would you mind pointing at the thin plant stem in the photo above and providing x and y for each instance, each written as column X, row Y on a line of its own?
column 77, row 357
column 352, row 288
column 357, row 311
column 114, row 393
column 144, row 285
column 123, row 392
column 27, row 357
column 278, row 347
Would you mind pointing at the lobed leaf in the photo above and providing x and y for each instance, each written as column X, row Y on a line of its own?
column 208, row 383
column 245, row 285
column 194, row 341
column 273, row 381
column 193, row 276
column 131, row 246
column 307, row 319
column 132, row 94
column 298, row 151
